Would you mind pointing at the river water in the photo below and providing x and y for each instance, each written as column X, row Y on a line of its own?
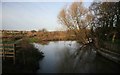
column 66, row 57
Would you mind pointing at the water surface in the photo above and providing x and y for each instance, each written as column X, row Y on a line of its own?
column 66, row 57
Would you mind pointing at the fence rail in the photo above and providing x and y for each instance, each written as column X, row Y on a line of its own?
column 111, row 46
column 7, row 50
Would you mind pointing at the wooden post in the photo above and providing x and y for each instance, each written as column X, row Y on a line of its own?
column 9, row 51
column 14, row 46
column 3, row 52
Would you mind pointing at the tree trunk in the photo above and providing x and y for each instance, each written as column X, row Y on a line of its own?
column 96, row 42
column 113, row 38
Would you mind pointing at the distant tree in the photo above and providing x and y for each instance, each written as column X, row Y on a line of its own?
column 33, row 31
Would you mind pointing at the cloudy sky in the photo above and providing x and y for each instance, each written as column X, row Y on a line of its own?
column 31, row 15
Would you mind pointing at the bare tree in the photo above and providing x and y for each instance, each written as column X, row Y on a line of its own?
column 76, row 18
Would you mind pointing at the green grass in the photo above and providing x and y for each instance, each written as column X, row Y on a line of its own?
column 37, row 40
column 31, row 40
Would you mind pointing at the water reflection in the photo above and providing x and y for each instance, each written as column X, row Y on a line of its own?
column 78, row 62
column 69, row 57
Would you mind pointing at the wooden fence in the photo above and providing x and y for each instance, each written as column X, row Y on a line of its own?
column 8, row 51
column 111, row 46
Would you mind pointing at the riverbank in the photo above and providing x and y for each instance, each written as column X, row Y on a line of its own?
column 113, row 56
column 110, row 50
column 27, row 58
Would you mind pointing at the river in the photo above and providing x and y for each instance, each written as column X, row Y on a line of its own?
column 66, row 57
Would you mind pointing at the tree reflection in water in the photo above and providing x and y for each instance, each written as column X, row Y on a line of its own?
column 81, row 61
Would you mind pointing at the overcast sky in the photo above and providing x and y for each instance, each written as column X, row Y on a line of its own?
column 31, row 15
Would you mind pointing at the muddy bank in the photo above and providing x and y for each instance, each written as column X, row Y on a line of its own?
column 27, row 58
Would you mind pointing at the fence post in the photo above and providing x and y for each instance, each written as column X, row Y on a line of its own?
column 14, row 46
column 3, row 53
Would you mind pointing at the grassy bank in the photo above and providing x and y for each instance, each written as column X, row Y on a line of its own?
column 34, row 39
column 27, row 58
